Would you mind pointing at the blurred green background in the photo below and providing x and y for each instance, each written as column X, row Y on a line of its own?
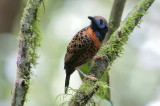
column 135, row 77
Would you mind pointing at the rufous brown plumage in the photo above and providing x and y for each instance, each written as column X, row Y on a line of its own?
column 84, row 45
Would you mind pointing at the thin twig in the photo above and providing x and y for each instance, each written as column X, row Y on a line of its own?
column 115, row 17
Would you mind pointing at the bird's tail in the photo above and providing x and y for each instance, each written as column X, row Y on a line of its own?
column 67, row 82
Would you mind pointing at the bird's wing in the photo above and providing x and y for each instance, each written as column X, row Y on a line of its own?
column 78, row 45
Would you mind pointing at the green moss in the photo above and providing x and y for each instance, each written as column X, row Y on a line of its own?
column 30, row 31
column 102, row 91
column 114, row 46
column 86, row 89
column 34, row 42
column 105, row 75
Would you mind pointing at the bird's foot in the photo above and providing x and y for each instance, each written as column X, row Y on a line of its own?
column 99, row 56
column 87, row 76
column 91, row 77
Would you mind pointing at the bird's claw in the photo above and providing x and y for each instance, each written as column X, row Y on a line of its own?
column 91, row 77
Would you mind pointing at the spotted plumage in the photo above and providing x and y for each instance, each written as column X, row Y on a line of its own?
column 84, row 45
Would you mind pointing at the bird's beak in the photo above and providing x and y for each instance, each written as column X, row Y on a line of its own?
column 91, row 18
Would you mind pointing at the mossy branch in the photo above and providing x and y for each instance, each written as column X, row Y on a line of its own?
column 112, row 49
column 114, row 22
column 29, row 40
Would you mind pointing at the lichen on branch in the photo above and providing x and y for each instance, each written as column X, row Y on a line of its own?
column 29, row 41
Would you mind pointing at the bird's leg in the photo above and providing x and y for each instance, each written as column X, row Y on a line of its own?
column 87, row 76
column 99, row 56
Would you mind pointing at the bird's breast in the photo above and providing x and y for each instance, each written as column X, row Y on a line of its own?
column 92, row 35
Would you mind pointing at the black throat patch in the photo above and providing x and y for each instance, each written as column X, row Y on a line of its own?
column 100, row 33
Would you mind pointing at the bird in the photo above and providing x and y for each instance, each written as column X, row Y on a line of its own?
column 84, row 46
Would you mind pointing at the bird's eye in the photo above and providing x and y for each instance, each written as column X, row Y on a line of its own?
column 101, row 21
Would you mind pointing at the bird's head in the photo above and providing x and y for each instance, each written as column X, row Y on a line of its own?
column 99, row 23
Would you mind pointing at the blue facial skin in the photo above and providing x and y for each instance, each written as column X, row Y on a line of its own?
column 100, row 24
column 99, row 28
